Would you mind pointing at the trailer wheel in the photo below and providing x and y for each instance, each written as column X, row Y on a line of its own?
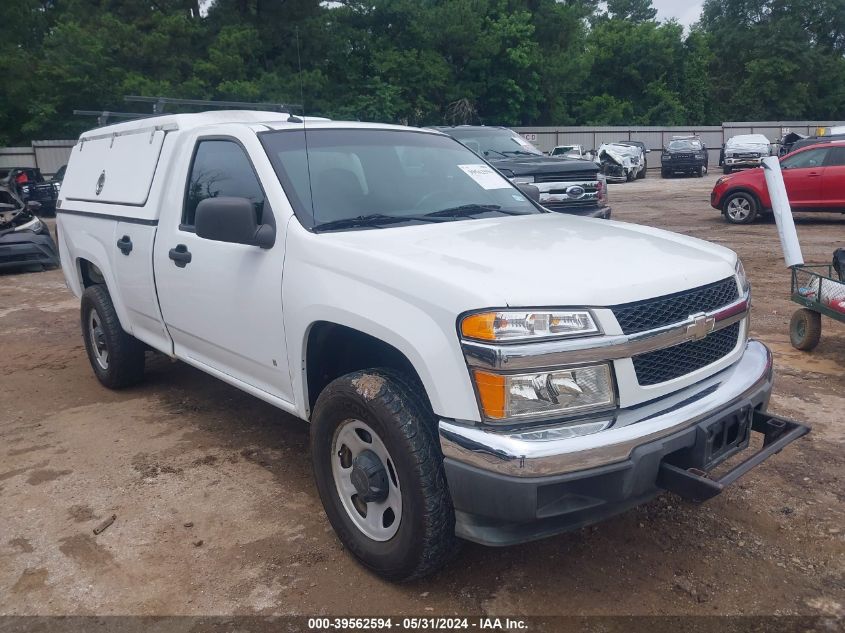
column 116, row 357
column 805, row 329
column 379, row 472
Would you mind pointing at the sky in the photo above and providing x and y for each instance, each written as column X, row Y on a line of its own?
column 685, row 11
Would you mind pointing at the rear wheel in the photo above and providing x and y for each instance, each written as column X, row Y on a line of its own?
column 379, row 472
column 805, row 329
column 116, row 357
column 740, row 208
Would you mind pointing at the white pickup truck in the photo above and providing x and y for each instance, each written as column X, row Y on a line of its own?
column 472, row 366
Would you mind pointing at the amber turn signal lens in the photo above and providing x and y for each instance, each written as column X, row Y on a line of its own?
column 479, row 326
column 491, row 393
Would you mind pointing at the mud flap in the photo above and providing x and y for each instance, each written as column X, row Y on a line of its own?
column 694, row 484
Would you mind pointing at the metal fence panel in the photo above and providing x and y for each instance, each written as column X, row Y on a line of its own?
column 50, row 155
column 17, row 157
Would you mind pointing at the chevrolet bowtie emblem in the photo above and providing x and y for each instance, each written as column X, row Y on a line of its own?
column 700, row 327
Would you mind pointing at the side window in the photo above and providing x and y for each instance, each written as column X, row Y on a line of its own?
column 810, row 158
column 220, row 168
column 836, row 158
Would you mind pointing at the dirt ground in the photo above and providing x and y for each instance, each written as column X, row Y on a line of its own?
column 217, row 512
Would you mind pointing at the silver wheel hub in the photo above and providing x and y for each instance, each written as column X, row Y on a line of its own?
column 366, row 481
column 97, row 336
column 739, row 208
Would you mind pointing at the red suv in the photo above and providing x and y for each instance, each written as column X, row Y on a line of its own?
column 815, row 181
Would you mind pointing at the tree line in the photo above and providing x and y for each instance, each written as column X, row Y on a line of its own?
column 422, row 62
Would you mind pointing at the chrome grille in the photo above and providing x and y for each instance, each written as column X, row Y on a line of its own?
column 571, row 176
column 654, row 368
column 654, row 313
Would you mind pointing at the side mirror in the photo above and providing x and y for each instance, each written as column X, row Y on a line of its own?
column 33, row 205
column 530, row 191
column 232, row 220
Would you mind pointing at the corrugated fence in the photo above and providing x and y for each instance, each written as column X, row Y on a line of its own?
column 48, row 156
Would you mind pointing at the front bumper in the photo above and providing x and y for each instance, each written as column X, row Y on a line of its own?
column 511, row 487
column 743, row 162
column 26, row 248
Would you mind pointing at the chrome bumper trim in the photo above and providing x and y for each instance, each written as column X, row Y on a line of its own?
column 557, row 450
column 549, row 354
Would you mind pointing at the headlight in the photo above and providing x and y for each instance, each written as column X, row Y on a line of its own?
column 699, row 156
column 33, row 225
column 741, row 277
column 522, row 180
column 666, row 157
column 520, row 325
column 563, row 391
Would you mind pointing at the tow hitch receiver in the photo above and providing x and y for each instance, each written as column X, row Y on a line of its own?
column 693, row 483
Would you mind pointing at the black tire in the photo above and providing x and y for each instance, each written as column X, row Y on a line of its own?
column 642, row 174
column 805, row 329
column 395, row 409
column 743, row 211
column 631, row 176
column 700, row 172
column 125, row 362
column 665, row 173
column 727, row 170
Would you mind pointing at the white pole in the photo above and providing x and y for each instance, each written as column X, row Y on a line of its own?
column 783, row 212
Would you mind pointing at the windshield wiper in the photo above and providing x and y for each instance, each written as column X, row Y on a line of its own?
column 466, row 210
column 372, row 219
column 487, row 152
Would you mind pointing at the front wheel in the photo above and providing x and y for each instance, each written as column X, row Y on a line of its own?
column 379, row 472
column 727, row 170
column 116, row 357
column 805, row 329
column 740, row 208
column 665, row 173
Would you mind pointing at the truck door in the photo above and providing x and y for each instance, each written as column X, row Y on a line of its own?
column 222, row 302
column 802, row 173
column 833, row 181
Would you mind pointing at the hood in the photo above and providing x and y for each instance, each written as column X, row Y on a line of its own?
column 747, row 145
column 13, row 212
column 619, row 154
column 529, row 261
column 531, row 165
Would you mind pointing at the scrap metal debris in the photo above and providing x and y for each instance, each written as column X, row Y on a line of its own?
column 100, row 528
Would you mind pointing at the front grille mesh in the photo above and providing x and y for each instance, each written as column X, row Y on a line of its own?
column 655, row 313
column 572, row 176
column 665, row 364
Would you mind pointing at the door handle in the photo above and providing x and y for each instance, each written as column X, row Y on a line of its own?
column 125, row 245
column 180, row 255
column 813, row 174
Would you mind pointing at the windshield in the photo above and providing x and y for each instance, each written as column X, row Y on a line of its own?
column 364, row 178
column 746, row 141
column 685, row 144
column 494, row 143
column 564, row 149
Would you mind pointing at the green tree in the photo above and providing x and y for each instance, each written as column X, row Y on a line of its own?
column 633, row 10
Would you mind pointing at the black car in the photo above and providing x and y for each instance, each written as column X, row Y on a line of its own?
column 29, row 185
column 24, row 239
column 566, row 185
column 684, row 155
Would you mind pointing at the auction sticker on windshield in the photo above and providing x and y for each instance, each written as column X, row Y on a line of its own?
column 485, row 176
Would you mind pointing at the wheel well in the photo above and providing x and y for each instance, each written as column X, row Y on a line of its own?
column 335, row 350
column 90, row 274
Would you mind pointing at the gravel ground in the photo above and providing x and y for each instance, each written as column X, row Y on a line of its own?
column 217, row 513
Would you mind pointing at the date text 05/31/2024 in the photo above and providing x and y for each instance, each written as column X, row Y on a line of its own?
column 413, row 624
